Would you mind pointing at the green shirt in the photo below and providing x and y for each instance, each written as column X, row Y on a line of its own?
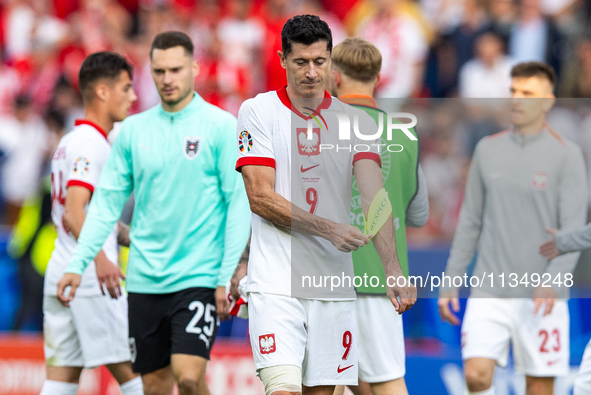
column 191, row 219
column 400, row 173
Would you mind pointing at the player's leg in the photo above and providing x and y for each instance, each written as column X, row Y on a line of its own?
column 331, row 357
column 62, row 349
column 149, row 341
column 158, row 382
column 381, row 347
column 539, row 385
column 583, row 380
column 486, row 334
column 397, row 387
column 318, row 390
column 130, row 383
column 189, row 374
column 278, row 341
column 479, row 374
column 541, row 345
column 339, row 390
column 194, row 326
column 102, row 326
column 363, row 388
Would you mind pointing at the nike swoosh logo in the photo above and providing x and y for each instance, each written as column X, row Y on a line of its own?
column 550, row 363
column 339, row 370
column 309, row 168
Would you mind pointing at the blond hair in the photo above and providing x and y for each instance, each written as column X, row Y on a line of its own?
column 357, row 59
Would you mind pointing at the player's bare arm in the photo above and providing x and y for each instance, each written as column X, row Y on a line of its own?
column 265, row 202
column 239, row 273
column 123, row 234
column 108, row 274
column 369, row 182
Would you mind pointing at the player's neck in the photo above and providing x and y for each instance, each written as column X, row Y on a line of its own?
column 99, row 118
column 356, row 90
column 299, row 101
column 532, row 128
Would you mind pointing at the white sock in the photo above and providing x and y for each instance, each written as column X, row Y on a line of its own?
column 132, row 387
column 51, row 387
column 490, row 391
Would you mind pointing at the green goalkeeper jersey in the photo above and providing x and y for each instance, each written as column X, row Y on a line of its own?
column 400, row 173
column 191, row 219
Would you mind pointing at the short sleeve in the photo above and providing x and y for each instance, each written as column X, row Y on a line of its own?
column 367, row 149
column 255, row 145
column 85, row 164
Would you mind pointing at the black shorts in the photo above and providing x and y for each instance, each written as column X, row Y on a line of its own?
column 184, row 322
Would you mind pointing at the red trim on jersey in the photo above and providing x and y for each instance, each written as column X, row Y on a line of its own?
column 78, row 183
column 555, row 134
column 368, row 155
column 499, row 134
column 94, row 125
column 282, row 94
column 255, row 160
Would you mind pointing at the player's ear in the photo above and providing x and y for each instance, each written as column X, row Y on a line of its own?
column 378, row 79
column 102, row 92
column 282, row 59
column 549, row 102
column 336, row 78
column 195, row 68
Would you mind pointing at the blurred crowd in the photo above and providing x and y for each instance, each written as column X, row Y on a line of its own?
column 430, row 48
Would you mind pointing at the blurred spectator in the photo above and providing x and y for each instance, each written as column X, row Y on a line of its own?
column 103, row 25
column 23, row 140
column 535, row 37
column 576, row 79
column 275, row 13
column 313, row 7
column 487, row 75
column 403, row 46
column 30, row 25
column 9, row 87
column 241, row 37
column 445, row 15
column 502, row 15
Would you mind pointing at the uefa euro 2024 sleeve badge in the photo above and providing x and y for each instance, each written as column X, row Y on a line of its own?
column 191, row 147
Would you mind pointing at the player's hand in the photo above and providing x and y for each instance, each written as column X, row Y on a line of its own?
column 403, row 298
column 108, row 275
column 548, row 248
column 221, row 303
column 347, row 238
column 71, row 280
column 445, row 313
column 238, row 275
column 547, row 295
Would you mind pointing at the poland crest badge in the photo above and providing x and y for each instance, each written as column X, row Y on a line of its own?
column 191, row 147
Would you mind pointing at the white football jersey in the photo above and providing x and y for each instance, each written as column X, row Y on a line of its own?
column 315, row 176
column 77, row 161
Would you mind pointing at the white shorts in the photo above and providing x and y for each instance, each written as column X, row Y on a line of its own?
column 583, row 380
column 317, row 336
column 92, row 332
column 540, row 344
column 380, row 339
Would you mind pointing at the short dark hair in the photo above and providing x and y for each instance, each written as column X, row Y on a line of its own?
column 172, row 39
column 534, row 69
column 101, row 65
column 305, row 29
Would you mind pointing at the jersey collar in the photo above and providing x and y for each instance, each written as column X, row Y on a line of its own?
column 194, row 105
column 79, row 122
column 282, row 94
column 359, row 100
